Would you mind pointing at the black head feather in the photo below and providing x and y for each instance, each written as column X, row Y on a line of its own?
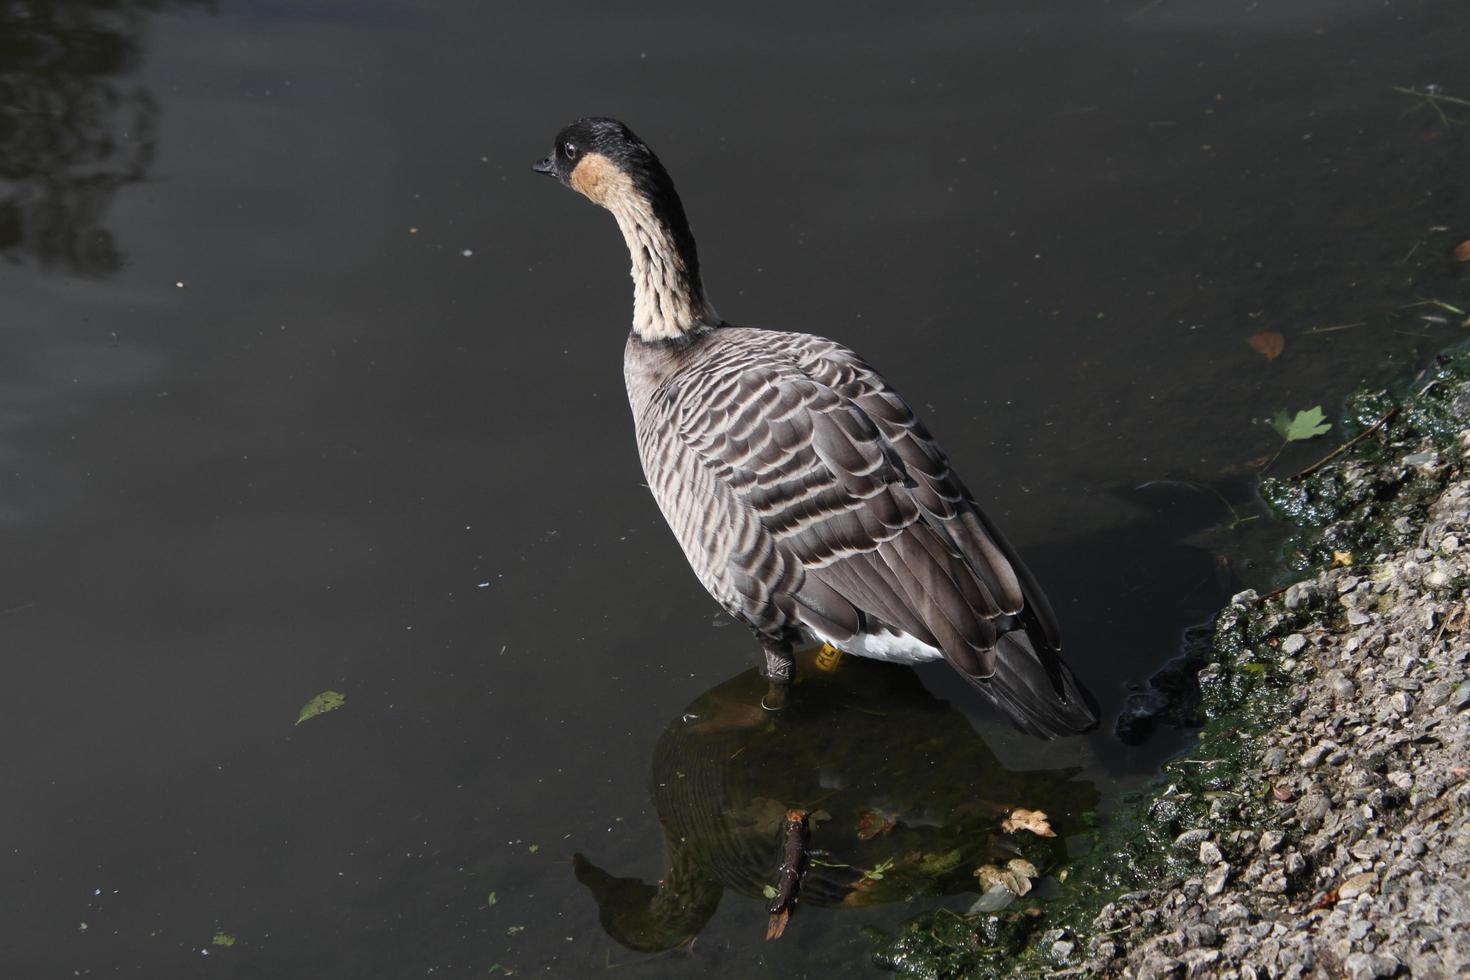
column 620, row 145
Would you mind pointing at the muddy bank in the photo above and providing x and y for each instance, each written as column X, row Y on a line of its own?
column 1319, row 826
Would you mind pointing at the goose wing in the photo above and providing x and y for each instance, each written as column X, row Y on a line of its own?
column 842, row 515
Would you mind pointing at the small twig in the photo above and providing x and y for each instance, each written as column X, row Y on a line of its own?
column 15, row 609
column 1143, row 10
column 1337, row 326
column 1434, row 302
column 1348, row 445
column 1433, row 98
column 1442, row 624
column 1235, row 519
column 793, row 856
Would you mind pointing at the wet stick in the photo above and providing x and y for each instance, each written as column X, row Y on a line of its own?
column 793, row 858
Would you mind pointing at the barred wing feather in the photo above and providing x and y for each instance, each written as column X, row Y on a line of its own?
column 806, row 494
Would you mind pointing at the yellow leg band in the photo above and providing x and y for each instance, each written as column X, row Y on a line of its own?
column 828, row 657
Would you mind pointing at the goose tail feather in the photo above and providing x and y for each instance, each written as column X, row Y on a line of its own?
column 1037, row 690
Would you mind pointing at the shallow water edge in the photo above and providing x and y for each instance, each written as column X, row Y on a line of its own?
column 1312, row 821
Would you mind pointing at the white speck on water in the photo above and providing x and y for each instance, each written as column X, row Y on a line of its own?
column 483, row 585
column 466, row 252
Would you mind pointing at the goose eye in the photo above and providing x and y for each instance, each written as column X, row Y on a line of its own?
column 570, row 150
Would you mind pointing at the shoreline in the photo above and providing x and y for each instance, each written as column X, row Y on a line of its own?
column 1320, row 824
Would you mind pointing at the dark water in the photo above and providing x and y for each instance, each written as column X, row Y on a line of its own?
column 307, row 383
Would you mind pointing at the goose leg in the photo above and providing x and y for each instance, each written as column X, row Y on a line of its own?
column 779, row 664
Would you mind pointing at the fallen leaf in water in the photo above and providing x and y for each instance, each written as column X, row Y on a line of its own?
column 1023, row 867
column 321, row 704
column 874, row 823
column 222, row 938
column 1304, row 425
column 777, row 924
column 1032, row 820
column 1268, row 343
column 860, row 895
column 1462, row 251
column 938, row 864
column 991, row 877
column 760, row 813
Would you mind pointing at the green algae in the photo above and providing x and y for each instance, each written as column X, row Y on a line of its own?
column 1244, row 692
column 1370, row 498
column 1373, row 498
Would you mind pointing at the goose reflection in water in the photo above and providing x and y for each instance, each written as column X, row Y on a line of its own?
column 902, row 795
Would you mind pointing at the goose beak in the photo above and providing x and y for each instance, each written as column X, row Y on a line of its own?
column 544, row 166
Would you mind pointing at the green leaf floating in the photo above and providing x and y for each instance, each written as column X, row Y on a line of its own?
column 1305, row 425
column 938, row 864
column 323, row 702
column 222, row 938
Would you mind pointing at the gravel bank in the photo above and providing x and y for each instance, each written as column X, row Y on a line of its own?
column 1339, row 846
column 1320, row 824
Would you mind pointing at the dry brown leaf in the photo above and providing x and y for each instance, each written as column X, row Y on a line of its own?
column 861, row 894
column 1462, row 251
column 874, row 823
column 777, row 924
column 1282, row 794
column 1342, row 559
column 1268, row 343
column 1032, row 820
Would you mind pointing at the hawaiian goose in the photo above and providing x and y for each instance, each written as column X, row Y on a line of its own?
column 807, row 497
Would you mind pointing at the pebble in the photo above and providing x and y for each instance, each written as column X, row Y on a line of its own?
column 1366, row 966
column 1191, row 839
column 1359, row 884
column 1215, row 880
column 1357, row 794
column 1339, row 685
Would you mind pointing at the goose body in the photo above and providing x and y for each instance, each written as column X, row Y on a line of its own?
column 808, row 498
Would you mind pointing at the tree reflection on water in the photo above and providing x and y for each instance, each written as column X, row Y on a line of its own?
column 73, row 127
